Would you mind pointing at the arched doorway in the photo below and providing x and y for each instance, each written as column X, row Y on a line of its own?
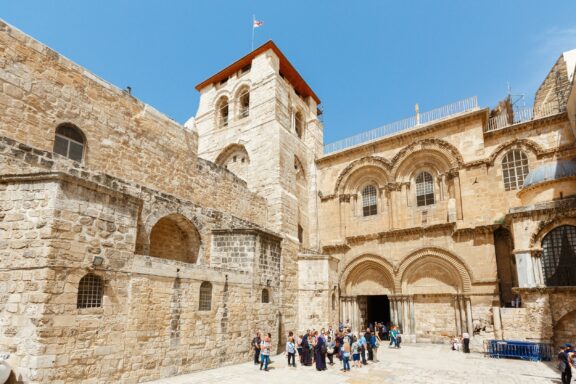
column 433, row 283
column 367, row 287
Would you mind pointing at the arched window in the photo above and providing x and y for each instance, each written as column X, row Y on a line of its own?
column 205, row 303
column 559, row 256
column 265, row 296
column 298, row 123
column 514, row 169
column 222, row 112
column 69, row 141
column 369, row 205
column 90, row 292
column 244, row 103
column 424, row 189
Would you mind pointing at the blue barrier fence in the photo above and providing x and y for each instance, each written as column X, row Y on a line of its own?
column 524, row 350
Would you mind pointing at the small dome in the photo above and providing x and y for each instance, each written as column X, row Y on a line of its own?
column 550, row 171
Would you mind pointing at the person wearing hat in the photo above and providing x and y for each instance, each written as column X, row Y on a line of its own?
column 565, row 362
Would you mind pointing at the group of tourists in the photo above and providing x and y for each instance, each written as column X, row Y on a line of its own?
column 320, row 348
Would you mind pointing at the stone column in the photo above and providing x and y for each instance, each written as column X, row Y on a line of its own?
column 392, row 310
column 406, row 316
column 457, row 315
column 345, row 213
column 412, row 318
column 469, row 315
column 462, row 311
column 457, row 193
column 392, row 205
column 355, row 312
column 400, row 309
column 525, row 269
column 537, row 267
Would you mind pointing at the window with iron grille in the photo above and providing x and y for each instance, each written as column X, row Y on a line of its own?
column 69, row 142
column 559, row 256
column 222, row 112
column 205, row 303
column 514, row 169
column 90, row 292
column 424, row 189
column 369, row 204
column 265, row 296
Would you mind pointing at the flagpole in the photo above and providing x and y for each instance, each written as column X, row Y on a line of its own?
column 253, row 21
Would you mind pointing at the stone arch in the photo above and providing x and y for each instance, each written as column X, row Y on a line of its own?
column 242, row 98
column 444, row 153
column 446, row 266
column 545, row 227
column 367, row 274
column 524, row 144
column 376, row 166
column 174, row 237
column 235, row 158
column 565, row 329
column 431, row 160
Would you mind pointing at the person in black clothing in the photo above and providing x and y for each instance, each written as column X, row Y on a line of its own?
column 368, row 337
column 256, row 345
column 565, row 363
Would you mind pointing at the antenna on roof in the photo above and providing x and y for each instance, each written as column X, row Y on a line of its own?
column 516, row 98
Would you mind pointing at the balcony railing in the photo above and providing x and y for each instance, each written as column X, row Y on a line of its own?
column 462, row 106
column 521, row 115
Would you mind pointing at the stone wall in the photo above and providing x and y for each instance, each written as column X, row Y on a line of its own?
column 125, row 137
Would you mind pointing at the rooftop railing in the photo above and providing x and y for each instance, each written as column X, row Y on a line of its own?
column 521, row 115
column 462, row 106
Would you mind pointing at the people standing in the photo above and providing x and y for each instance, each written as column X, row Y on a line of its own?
column 368, row 337
column 321, row 353
column 265, row 352
column 362, row 346
column 346, row 354
column 291, row 351
column 375, row 343
column 355, row 353
column 300, row 349
column 306, row 358
column 466, row 342
column 256, row 345
column 565, row 363
column 330, row 349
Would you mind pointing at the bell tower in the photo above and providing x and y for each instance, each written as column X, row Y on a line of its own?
column 259, row 118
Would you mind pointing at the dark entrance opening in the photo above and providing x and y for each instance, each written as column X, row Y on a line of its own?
column 378, row 309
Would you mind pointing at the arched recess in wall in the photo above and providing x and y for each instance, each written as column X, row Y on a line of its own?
column 428, row 171
column 433, row 271
column 565, row 329
column 505, row 264
column 235, row 158
column 359, row 171
column 529, row 147
column 301, row 193
column 174, row 237
column 367, row 275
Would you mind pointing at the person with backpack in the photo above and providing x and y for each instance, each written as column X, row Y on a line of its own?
column 256, row 345
column 346, row 354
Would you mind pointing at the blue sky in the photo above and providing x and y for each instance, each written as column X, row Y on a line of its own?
column 368, row 61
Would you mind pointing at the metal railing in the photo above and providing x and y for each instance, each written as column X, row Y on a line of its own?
column 446, row 111
column 521, row 115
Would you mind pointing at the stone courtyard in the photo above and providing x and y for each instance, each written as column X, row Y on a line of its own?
column 418, row 363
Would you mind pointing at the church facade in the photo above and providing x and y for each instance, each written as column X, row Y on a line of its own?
column 134, row 248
